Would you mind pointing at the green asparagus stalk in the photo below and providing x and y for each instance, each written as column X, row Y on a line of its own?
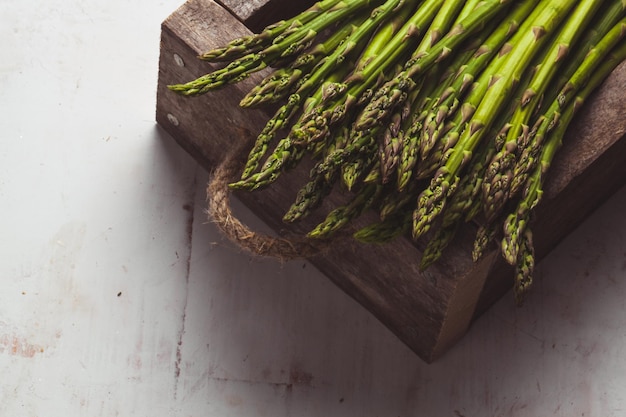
column 469, row 7
column 524, row 268
column 390, row 149
column 314, row 89
column 433, row 88
column 436, row 246
column 517, row 221
column 448, row 101
column 274, row 33
column 396, row 133
column 495, row 191
column 408, row 155
column 286, row 80
column 463, row 207
column 432, row 200
column 342, row 215
column 356, row 145
column 374, row 67
column 545, row 123
column 386, row 230
column 290, row 46
column 285, row 152
column 441, row 24
column 485, row 234
column 394, row 92
column 310, row 197
column 356, row 169
column 410, row 139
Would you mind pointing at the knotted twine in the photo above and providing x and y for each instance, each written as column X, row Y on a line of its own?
column 259, row 244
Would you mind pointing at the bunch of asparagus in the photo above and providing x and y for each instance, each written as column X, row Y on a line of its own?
column 431, row 112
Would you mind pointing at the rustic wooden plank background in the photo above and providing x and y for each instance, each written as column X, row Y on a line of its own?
column 117, row 298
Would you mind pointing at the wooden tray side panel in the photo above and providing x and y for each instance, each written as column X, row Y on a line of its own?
column 215, row 122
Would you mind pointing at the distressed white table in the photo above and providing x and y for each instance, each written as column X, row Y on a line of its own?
column 118, row 297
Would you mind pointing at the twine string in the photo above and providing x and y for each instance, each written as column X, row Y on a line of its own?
column 259, row 244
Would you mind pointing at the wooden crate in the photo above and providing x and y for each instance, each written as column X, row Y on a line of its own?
column 429, row 311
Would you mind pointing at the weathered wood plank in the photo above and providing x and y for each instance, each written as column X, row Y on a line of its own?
column 256, row 14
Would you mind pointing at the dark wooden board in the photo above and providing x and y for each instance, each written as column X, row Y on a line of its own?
column 256, row 14
column 430, row 310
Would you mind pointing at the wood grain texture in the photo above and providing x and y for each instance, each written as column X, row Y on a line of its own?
column 431, row 310
column 256, row 14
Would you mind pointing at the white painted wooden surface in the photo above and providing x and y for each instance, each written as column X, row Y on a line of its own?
column 119, row 298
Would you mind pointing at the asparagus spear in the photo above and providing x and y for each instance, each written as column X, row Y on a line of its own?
column 441, row 23
column 394, row 92
column 298, row 139
column 517, row 221
column 433, row 86
column 340, row 216
column 390, row 149
column 374, row 67
column 386, row 230
column 437, row 245
column 354, row 170
column 546, row 122
column 524, row 268
column 463, row 207
column 410, row 139
column 495, row 190
column 445, row 106
column 312, row 92
column 310, row 197
column 289, row 46
column 286, row 80
column 432, row 200
column 484, row 236
column 273, row 33
column 285, row 152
